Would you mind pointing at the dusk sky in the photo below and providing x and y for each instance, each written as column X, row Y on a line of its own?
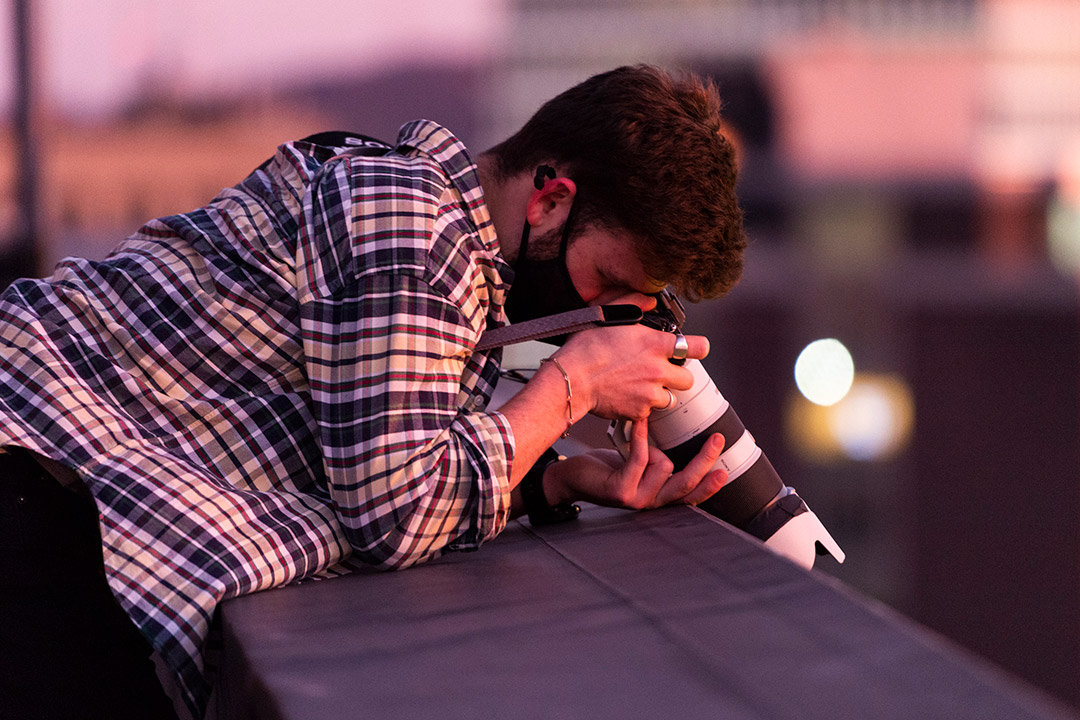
column 93, row 54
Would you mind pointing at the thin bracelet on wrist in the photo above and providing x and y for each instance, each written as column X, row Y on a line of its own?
column 569, row 393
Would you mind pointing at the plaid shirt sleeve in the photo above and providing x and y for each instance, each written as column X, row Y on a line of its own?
column 393, row 293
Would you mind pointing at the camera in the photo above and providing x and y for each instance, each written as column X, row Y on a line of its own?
column 754, row 499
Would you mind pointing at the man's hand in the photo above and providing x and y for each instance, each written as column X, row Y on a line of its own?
column 622, row 372
column 612, row 372
column 643, row 481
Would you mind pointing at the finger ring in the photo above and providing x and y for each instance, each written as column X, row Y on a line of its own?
column 681, row 347
column 671, row 400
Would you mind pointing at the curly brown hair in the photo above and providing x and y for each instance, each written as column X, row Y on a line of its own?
column 647, row 151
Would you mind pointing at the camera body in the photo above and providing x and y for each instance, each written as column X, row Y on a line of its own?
column 754, row 499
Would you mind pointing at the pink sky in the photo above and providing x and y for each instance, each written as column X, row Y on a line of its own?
column 93, row 54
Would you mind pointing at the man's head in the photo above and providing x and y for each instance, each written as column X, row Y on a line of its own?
column 647, row 155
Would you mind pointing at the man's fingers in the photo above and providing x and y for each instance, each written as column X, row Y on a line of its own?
column 697, row 346
column 638, row 458
column 707, row 456
column 656, row 476
column 682, row 484
column 677, row 377
column 709, row 486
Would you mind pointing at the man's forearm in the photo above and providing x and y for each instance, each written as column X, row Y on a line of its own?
column 538, row 415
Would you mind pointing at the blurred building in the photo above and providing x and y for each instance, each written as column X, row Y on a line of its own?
column 100, row 181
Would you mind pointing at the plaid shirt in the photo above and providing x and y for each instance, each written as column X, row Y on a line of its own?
column 258, row 389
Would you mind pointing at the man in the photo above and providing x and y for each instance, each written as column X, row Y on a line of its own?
column 285, row 382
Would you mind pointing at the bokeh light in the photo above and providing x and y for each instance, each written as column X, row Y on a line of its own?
column 1063, row 235
column 824, row 371
column 873, row 422
column 1063, row 215
column 874, row 419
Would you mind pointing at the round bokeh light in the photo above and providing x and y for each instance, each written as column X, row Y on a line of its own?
column 824, row 371
column 867, row 422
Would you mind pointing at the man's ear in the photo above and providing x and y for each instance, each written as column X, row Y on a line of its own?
column 549, row 206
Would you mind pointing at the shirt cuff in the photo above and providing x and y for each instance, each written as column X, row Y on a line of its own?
column 492, row 450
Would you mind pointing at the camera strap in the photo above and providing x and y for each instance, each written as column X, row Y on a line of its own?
column 560, row 324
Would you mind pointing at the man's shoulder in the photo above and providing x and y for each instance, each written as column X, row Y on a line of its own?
column 414, row 208
column 424, row 158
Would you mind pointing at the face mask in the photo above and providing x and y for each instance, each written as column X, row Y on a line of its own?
column 542, row 287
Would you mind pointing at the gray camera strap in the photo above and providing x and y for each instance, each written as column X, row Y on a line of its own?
column 559, row 324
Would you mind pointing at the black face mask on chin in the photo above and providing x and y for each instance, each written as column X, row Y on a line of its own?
column 542, row 287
